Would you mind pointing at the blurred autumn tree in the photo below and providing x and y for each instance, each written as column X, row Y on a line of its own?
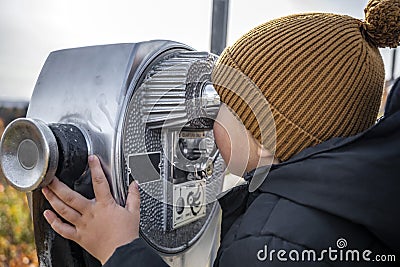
column 16, row 234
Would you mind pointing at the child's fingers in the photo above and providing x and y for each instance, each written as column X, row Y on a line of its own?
column 69, row 196
column 133, row 199
column 61, row 207
column 63, row 229
column 100, row 184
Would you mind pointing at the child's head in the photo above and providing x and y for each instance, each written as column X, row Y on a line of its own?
column 321, row 74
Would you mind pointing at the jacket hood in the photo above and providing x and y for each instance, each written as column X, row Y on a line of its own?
column 356, row 178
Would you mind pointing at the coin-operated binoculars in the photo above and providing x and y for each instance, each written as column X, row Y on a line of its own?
column 147, row 111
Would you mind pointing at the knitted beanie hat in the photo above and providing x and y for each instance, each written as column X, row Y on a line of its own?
column 322, row 75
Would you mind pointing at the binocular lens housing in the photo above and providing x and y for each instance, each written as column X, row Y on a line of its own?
column 147, row 111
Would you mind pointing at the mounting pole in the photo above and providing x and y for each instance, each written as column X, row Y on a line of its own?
column 393, row 65
column 219, row 32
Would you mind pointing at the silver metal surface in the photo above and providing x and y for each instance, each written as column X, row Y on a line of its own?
column 210, row 100
column 205, row 251
column 87, row 87
column 28, row 154
column 90, row 87
column 160, row 107
column 173, row 91
column 98, row 90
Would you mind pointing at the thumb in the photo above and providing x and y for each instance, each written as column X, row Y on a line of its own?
column 100, row 184
column 133, row 199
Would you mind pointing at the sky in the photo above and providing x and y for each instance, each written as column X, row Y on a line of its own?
column 31, row 29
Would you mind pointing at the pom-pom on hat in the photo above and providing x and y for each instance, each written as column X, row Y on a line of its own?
column 322, row 75
column 382, row 22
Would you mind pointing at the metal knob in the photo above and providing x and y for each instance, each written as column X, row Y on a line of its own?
column 28, row 154
column 211, row 100
column 32, row 153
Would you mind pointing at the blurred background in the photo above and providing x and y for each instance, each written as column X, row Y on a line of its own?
column 30, row 30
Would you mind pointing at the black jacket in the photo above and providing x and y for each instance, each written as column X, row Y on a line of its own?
column 340, row 195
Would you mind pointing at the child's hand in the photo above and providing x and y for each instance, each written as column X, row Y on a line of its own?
column 99, row 225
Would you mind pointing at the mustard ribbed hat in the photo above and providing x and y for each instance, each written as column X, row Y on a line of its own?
column 322, row 75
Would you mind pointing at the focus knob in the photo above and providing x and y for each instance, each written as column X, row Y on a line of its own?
column 28, row 154
column 32, row 153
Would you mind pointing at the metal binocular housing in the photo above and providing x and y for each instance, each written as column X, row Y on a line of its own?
column 147, row 110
